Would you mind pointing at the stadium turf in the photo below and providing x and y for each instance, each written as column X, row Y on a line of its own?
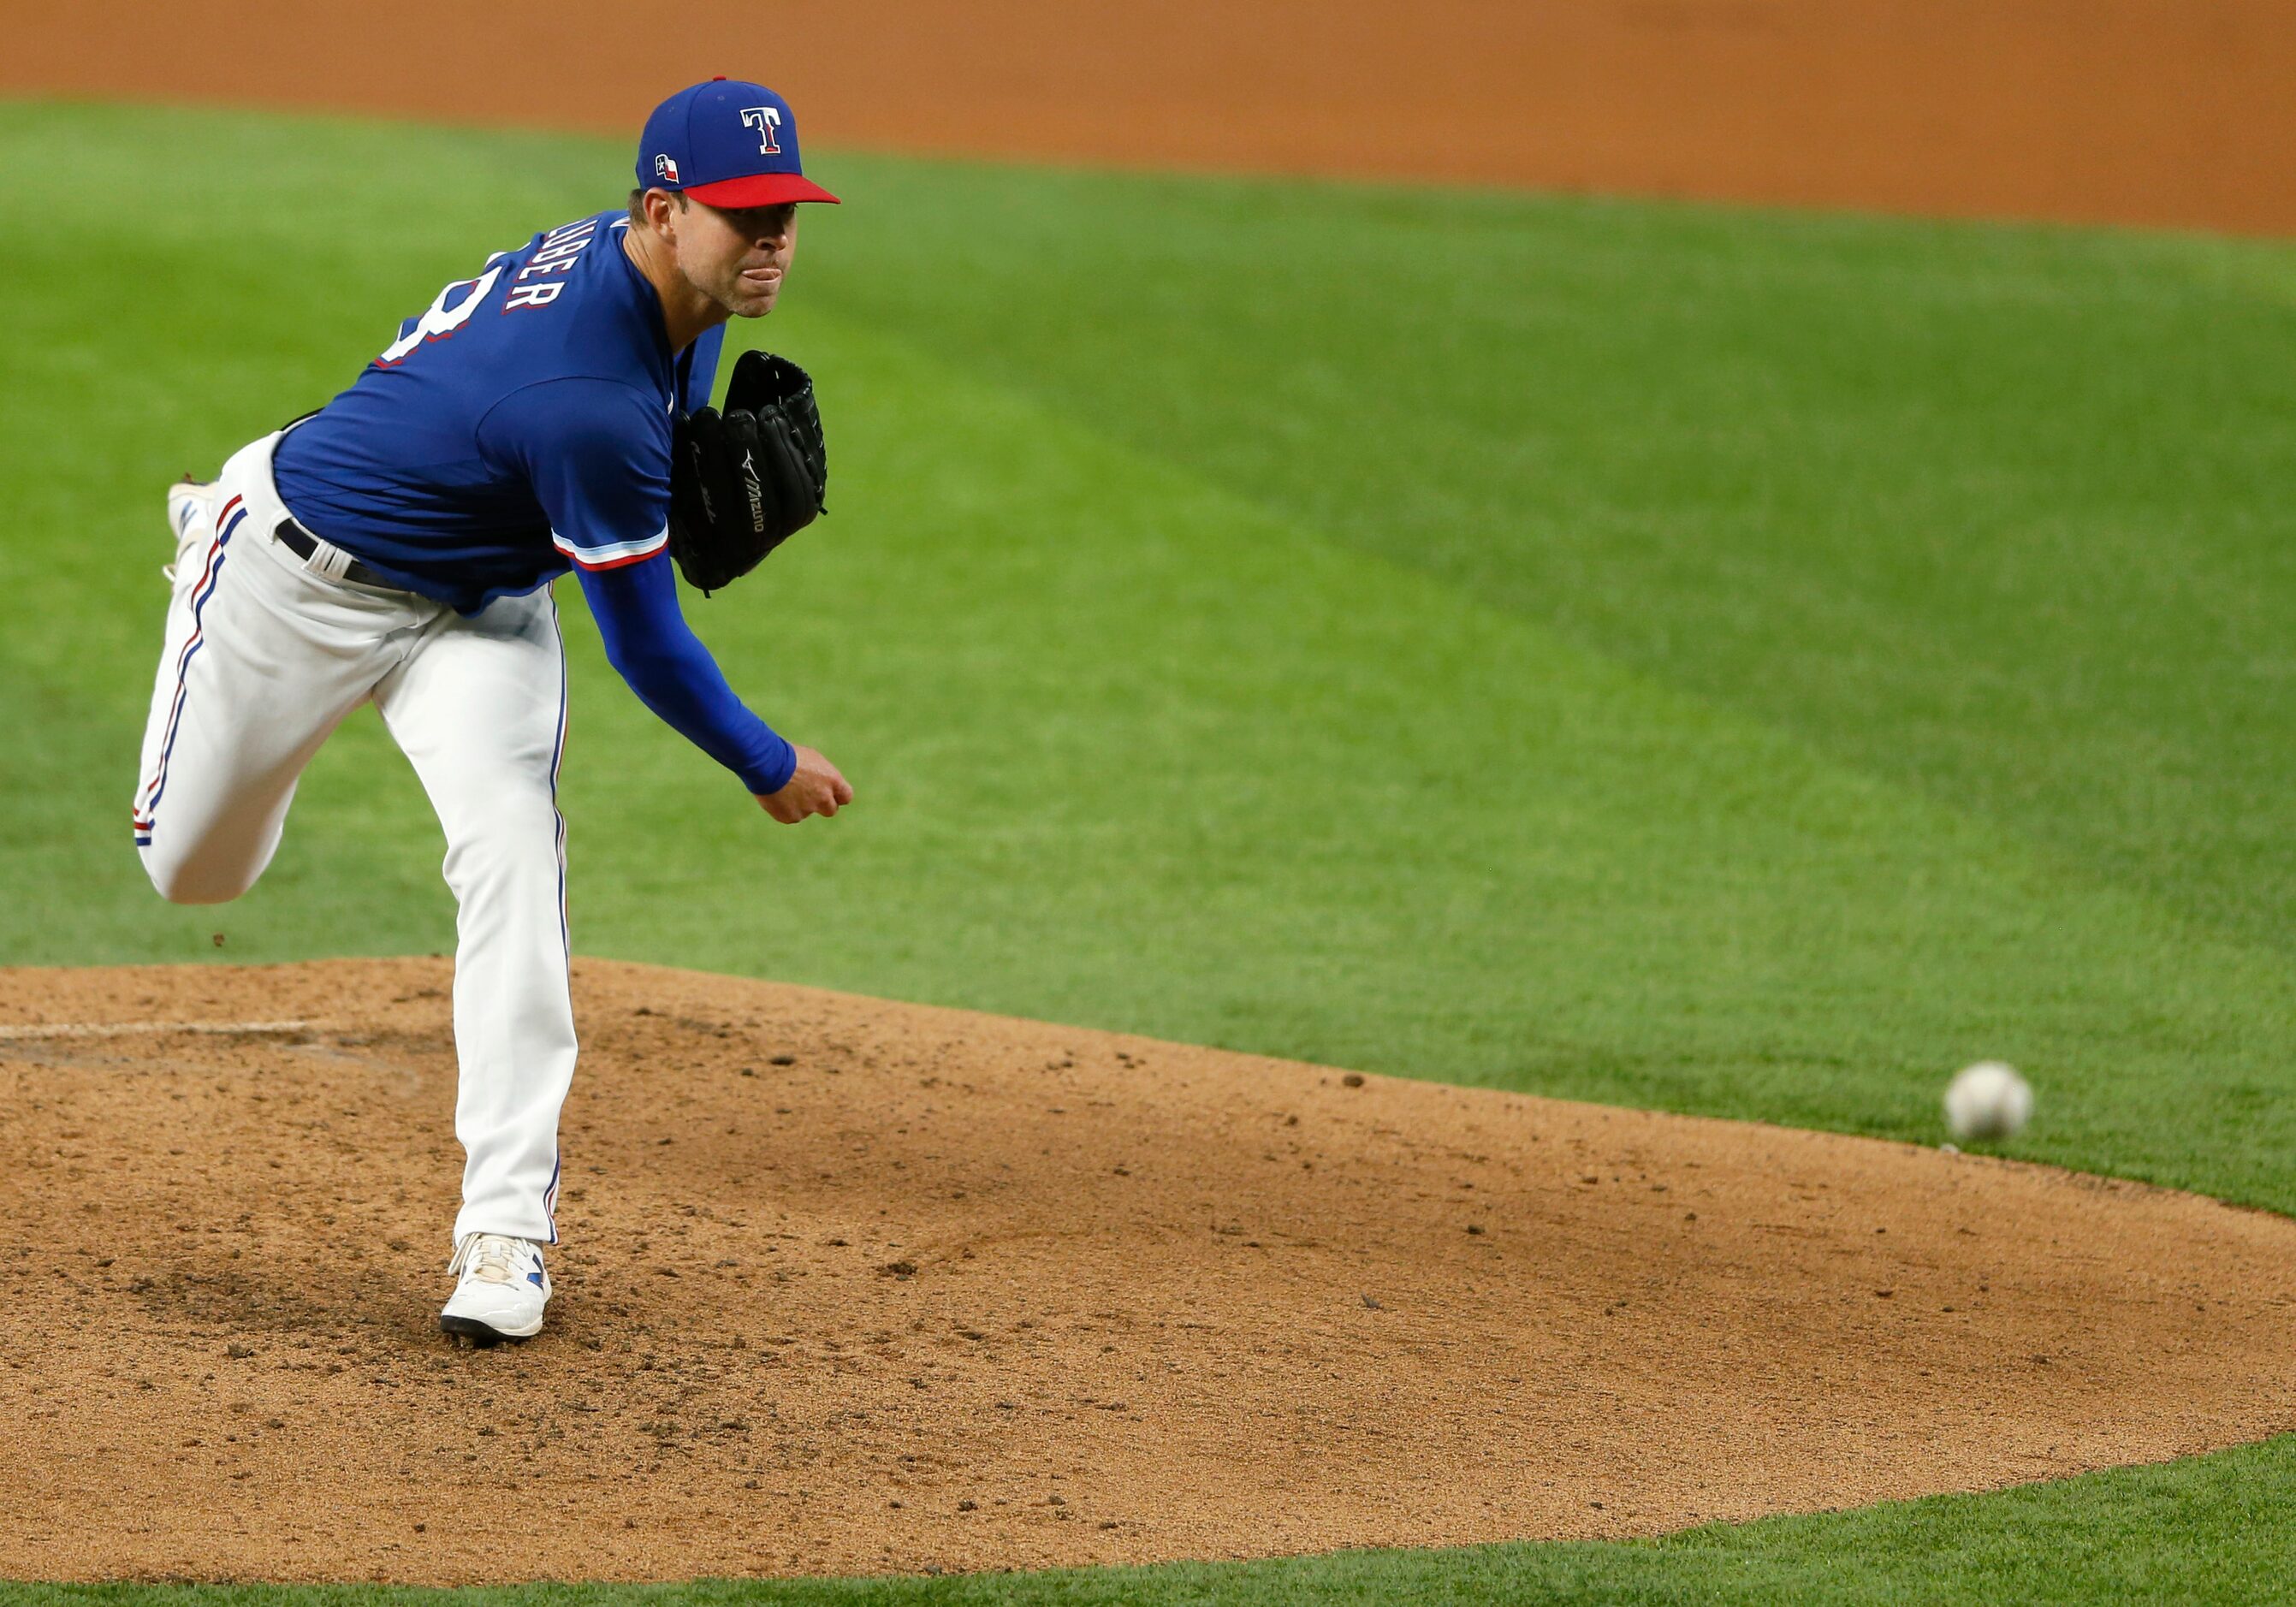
column 1699, row 659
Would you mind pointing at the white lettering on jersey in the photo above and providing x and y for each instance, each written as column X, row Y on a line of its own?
column 558, row 252
column 439, row 320
column 764, row 119
column 555, row 254
column 564, row 244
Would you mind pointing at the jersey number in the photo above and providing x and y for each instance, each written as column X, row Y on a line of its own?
column 441, row 320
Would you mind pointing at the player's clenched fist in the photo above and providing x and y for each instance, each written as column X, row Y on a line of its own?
column 816, row 788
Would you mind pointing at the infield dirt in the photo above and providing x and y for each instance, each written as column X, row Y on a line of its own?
column 2154, row 111
column 850, row 1286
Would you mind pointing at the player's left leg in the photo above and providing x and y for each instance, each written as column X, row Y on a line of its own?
column 262, row 659
column 479, row 707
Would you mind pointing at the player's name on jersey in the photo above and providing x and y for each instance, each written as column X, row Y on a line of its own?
column 556, row 255
column 560, row 250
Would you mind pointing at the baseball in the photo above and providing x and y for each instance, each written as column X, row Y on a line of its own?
column 1988, row 1100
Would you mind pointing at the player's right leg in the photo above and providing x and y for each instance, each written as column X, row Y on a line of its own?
column 261, row 661
column 480, row 706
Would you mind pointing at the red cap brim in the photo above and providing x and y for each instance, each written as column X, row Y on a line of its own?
column 759, row 190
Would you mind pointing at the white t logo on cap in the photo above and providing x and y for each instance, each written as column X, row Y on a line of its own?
column 764, row 119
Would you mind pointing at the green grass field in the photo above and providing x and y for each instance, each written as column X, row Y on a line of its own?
column 1710, row 661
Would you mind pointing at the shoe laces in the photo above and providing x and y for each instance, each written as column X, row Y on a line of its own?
column 481, row 1255
column 192, row 519
column 185, row 548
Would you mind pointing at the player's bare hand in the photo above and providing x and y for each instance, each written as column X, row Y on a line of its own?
column 815, row 788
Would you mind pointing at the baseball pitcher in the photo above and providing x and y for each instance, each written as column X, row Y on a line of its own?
column 398, row 545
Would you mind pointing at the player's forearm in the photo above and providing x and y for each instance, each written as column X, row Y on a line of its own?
column 712, row 718
column 650, row 646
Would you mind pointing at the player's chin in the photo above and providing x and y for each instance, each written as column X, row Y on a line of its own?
column 753, row 298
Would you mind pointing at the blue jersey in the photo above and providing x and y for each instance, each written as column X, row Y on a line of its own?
column 520, row 423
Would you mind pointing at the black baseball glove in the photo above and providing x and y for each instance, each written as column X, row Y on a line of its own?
column 744, row 480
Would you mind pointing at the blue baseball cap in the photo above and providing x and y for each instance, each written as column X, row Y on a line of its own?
column 725, row 144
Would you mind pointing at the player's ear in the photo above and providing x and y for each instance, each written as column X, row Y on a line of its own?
column 662, row 210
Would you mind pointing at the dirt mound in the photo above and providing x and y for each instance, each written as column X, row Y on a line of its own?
column 853, row 1286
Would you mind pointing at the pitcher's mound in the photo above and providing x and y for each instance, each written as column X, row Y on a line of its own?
column 851, row 1286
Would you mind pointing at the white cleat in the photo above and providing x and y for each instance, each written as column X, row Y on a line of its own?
column 504, row 1289
column 191, row 517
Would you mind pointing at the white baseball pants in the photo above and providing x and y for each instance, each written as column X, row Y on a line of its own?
column 265, row 656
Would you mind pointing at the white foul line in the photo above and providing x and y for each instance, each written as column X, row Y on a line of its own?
column 135, row 1029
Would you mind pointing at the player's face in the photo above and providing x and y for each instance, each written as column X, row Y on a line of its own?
column 738, row 259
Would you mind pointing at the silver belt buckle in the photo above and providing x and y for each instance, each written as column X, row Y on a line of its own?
column 328, row 559
column 324, row 558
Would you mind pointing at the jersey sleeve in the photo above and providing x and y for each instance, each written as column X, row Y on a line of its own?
column 653, row 648
column 597, row 455
column 596, row 452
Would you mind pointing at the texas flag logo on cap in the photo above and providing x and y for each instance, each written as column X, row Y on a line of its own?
column 727, row 143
